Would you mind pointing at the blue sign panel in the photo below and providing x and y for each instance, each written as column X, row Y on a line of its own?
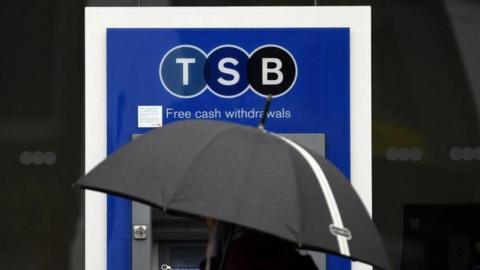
column 159, row 76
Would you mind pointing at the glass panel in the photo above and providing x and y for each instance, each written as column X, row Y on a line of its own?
column 41, row 135
column 426, row 132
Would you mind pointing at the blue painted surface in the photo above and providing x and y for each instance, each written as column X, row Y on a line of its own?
column 318, row 102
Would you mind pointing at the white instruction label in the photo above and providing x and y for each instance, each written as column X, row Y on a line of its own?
column 150, row 116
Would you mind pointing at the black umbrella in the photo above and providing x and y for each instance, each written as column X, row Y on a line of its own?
column 245, row 176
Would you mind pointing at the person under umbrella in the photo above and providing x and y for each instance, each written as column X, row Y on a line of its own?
column 251, row 250
column 248, row 177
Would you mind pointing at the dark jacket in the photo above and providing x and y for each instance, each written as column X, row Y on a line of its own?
column 254, row 251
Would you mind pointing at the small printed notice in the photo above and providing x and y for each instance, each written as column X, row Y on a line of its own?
column 150, row 116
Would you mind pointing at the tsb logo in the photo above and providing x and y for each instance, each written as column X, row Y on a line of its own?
column 228, row 71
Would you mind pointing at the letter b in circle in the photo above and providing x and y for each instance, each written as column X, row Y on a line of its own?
column 271, row 70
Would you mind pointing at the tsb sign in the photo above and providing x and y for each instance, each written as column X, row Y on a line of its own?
column 227, row 71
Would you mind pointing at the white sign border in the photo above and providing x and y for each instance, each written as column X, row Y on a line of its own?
column 98, row 19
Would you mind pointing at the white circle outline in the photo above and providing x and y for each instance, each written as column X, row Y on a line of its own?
column 294, row 62
column 248, row 57
column 160, row 71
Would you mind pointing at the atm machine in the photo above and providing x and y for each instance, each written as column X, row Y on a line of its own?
column 148, row 67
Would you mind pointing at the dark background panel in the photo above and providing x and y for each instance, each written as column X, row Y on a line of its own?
column 200, row 3
column 424, row 99
column 41, row 134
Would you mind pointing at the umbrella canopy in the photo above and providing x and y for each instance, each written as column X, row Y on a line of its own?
column 245, row 176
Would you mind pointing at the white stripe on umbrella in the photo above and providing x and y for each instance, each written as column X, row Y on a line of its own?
column 327, row 193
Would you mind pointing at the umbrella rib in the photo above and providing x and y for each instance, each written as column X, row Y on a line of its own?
column 327, row 192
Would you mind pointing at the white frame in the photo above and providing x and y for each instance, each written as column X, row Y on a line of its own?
column 98, row 19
